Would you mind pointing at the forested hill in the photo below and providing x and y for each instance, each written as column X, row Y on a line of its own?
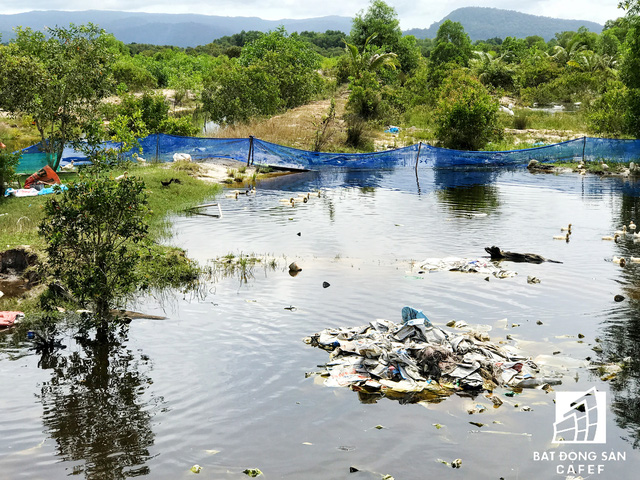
column 182, row 30
column 482, row 23
column 190, row 30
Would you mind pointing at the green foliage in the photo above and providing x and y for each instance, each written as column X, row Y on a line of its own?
column 235, row 94
column 134, row 75
column 466, row 115
column 606, row 115
column 357, row 134
column 452, row 44
column 8, row 163
column 288, row 60
column 380, row 20
column 91, row 231
column 58, row 79
column 178, row 126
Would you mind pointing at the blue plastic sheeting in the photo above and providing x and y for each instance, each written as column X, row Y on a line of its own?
column 161, row 148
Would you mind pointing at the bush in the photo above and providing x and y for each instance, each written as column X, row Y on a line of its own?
column 178, row 126
column 8, row 165
column 466, row 116
column 520, row 121
column 607, row 115
column 91, row 230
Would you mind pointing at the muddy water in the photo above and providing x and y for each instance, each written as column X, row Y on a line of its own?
column 221, row 382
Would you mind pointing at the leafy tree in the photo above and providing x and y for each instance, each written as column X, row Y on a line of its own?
column 91, row 231
column 606, row 115
column 466, row 116
column 452, row 44
column 8, row 164
column 57, row 79
column 630, row 70
column 289, row 61
column 380, row 20
column 234, row 93
column 364, row 86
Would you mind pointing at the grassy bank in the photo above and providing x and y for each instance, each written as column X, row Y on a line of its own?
column 162, row 266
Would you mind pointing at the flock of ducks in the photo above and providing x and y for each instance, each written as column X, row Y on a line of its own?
column 566, row 236
column 234, row 193
column 301, row 198
column 631, row 230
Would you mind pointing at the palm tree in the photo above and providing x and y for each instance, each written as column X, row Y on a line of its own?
column 367, row 60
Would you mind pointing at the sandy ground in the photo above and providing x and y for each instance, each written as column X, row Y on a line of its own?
column 217, row 169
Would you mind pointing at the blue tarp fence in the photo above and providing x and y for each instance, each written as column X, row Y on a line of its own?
column 162, row 147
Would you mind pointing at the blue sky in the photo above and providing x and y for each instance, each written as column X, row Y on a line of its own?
column 412, row 13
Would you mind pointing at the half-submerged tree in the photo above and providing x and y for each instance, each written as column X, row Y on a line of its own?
column 57, row 79
column 91, row 231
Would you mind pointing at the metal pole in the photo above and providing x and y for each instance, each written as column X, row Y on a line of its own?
column 250, row 150
column 584, row 144
column 157, row 146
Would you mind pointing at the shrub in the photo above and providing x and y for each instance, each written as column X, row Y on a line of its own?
column 466, row 116
column 8, row 164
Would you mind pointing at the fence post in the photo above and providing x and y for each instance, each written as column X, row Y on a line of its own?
column 584, row 144
column 157, row 146
column 250, row 150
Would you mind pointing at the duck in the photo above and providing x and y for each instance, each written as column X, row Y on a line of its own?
column 287, row 200
column 632, row 226
column 233, row 194
column 69, row 167
column 566, row 229
column 620, row 261
column 604, row 166
column 123, row 176
column 634, row 259
column 614, row 238
column 622, row 232
column 561, row 237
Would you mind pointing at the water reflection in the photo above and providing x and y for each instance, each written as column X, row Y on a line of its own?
column 94, row 408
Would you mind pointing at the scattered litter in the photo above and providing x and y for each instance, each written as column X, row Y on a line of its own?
column 326, row 284
column 252, row 472
column 437, row 425
column 457, row 463
column 618, row 298
column 539, row 322
column 196, row 469
column 212, row 452
column 307, row 443
column 532, row 279
column 346, row 448
column 455, row 264
column 293, row 267
column 291, row 308
column 416, row 357
column 353, row 470
column 526, row 409
column 609, row 371
column 477, row 424
column 379, row 427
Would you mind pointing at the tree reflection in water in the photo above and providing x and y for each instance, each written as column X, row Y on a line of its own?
column 95, row 410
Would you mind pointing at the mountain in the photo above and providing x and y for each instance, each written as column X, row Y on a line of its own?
column 482, row 23
column 190, row 30
column 182, row 30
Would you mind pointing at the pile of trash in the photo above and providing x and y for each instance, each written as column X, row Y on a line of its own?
column 417, row 357
column 478, row 265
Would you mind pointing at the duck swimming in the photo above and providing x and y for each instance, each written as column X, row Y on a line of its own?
column 561, row 237
column 614, row 238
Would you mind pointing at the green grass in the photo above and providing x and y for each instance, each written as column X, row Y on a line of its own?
column 19, row 217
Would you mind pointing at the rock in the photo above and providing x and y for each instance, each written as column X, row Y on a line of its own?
column 326, row 284
column 532, row 164
column 618, row 298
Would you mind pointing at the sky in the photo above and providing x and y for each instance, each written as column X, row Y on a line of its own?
column 411, row 13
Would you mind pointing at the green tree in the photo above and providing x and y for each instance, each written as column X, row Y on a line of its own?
column 91, row 231
column 452, row 44
column 466, row 116
column 290, row 61
column 630, row 69
column 380, row 20
column 58, row 79
column 8, row 164
column 234, row 93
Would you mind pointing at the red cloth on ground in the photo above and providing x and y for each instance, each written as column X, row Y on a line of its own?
column 44, row 175
column 7, row 319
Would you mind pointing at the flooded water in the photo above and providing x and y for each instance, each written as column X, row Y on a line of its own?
column 221, row 382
